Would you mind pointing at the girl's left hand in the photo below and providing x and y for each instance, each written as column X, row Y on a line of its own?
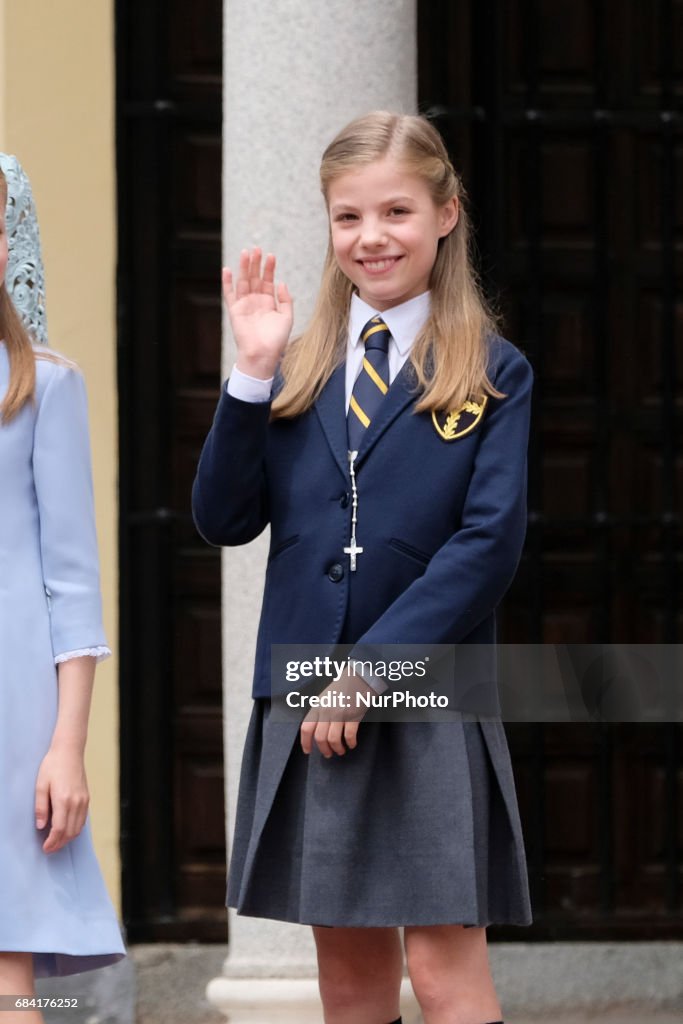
column 335, row 737
column 61, row 796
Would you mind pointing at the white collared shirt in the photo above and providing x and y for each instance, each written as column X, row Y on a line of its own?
column 404, row 322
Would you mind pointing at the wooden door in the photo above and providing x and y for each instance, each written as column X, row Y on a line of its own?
column 169, row 118
column 564, row 117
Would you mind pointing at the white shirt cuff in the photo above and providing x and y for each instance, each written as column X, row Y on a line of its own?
column 248, row 389
column 86, row 652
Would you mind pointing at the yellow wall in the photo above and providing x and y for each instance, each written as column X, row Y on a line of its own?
column 57, row 116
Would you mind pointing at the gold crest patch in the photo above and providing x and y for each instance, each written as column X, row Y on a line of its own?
column 459, row 422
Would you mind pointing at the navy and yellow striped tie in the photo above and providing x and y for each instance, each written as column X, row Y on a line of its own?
column 372, row 383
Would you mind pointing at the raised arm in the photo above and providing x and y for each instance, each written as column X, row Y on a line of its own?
column 229, row 495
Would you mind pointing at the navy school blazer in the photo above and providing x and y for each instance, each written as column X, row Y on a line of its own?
column 441, row 521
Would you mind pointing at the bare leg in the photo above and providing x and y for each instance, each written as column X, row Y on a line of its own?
column 450, row 974
column 360, row 971
column 16, row 979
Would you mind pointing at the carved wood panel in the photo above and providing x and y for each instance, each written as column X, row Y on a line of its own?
column 564, row 117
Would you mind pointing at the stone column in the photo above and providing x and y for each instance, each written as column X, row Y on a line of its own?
column 295, row 71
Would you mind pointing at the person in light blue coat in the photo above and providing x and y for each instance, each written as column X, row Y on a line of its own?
column 55, row 914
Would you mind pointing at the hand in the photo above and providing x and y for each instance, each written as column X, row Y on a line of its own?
column 260, row 324
column 342, row 734
column 61, row 796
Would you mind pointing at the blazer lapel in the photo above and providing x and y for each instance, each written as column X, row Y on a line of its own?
column 400, row 394
column 330, row 408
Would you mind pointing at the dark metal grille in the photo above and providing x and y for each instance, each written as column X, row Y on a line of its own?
column 566, row 121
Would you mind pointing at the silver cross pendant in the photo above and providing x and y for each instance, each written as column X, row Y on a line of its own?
column 352, row 551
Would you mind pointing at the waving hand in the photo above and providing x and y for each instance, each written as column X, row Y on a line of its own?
column 260, row 314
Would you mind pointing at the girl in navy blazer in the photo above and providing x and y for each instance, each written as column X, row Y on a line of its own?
column 386, row 448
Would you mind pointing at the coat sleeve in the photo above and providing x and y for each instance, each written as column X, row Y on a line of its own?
column 64, row 493
column 467, row 577
column 229, row 494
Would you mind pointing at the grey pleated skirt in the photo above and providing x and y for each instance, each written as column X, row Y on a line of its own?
column 416, row 826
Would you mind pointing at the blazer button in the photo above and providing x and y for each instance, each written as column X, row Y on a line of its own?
column 344, row 500
column 335, row 572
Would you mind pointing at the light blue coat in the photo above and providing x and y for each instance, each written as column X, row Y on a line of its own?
column 55, row 905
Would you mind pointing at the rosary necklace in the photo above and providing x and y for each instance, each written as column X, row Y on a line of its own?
column 353, row 550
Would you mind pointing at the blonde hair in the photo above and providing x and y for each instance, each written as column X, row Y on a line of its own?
column 449, row 356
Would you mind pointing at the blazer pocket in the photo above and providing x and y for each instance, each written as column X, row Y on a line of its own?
column 280, row 548
column 407, row 549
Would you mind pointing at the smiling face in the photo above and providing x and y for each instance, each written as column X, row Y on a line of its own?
column 385, row 230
